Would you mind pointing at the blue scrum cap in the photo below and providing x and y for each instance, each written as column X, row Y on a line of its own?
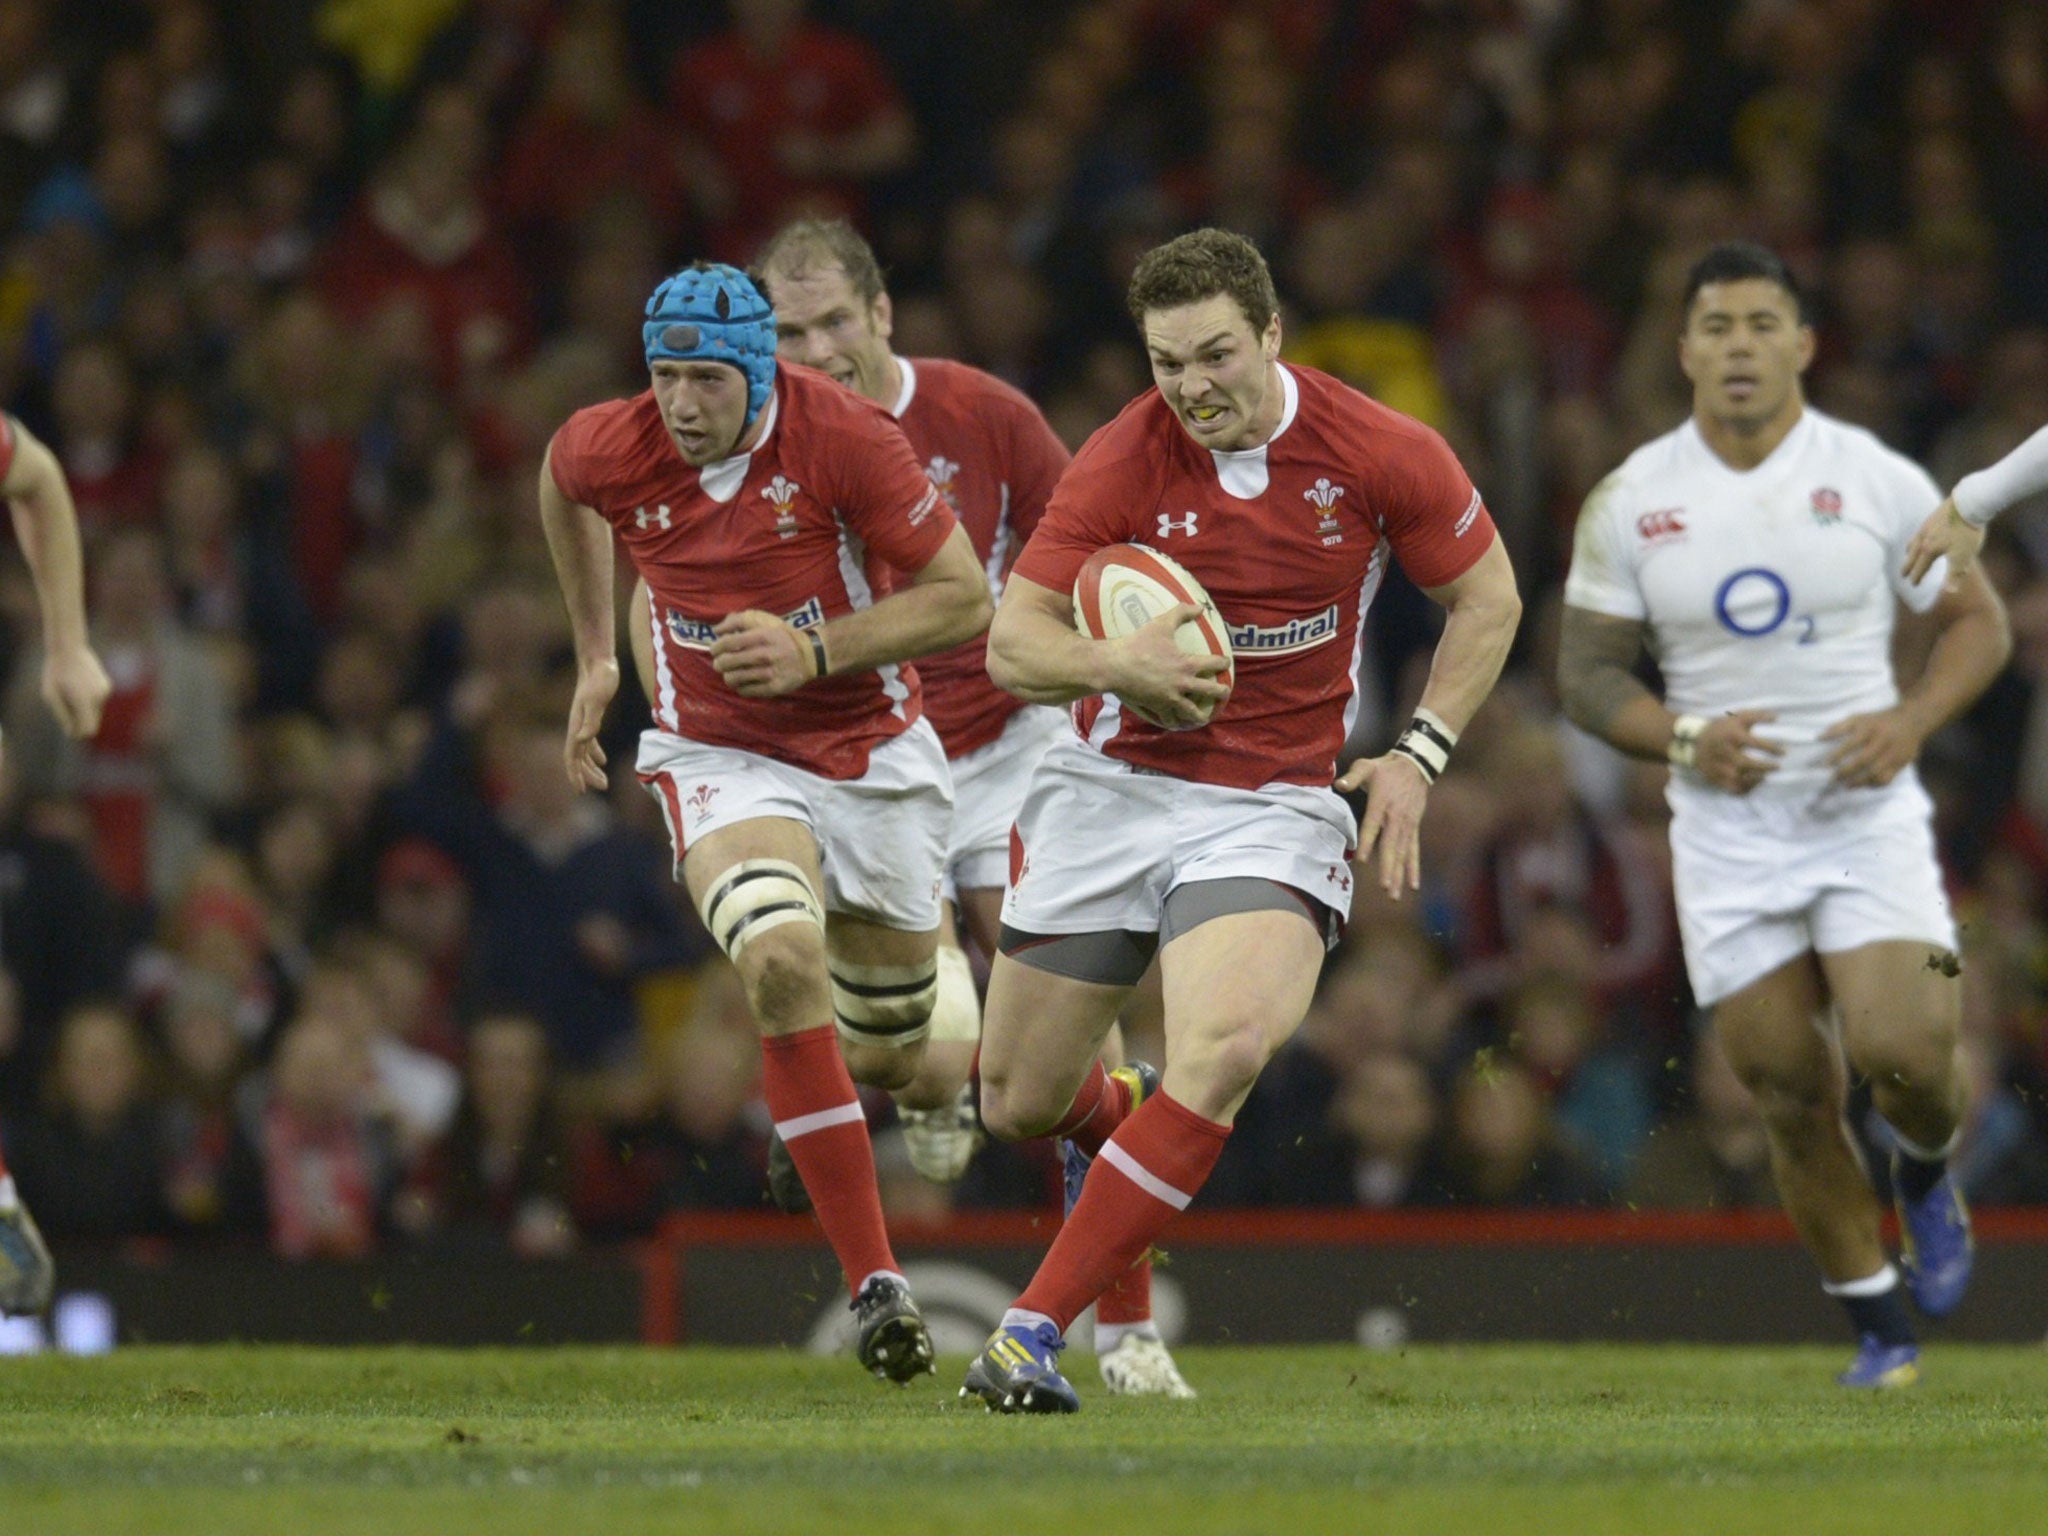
column 715, row 312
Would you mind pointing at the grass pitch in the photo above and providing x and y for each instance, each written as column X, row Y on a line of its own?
column 1493, row 1440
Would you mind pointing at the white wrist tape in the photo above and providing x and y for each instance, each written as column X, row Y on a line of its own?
column 1685, row 740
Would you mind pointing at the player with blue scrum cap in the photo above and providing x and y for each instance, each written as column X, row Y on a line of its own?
column 806, row 797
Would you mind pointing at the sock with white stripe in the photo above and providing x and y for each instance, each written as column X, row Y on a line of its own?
column 817, row 1112
column 1145, row 1174
column 1876, row 1305
column 1098, row 1109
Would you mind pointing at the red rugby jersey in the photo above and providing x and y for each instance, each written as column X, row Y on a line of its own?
column 6, row 444
column 995, row 461
column 1290, row 540
column 806, row 526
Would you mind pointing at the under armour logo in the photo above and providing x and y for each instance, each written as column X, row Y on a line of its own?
column 1172, row 525
column 658, row 518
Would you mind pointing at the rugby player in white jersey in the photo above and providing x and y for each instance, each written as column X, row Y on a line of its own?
column 1759, row 551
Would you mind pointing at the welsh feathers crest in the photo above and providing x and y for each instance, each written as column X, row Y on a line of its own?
column 1324, row 496
column 941, row 471
column 781, row 494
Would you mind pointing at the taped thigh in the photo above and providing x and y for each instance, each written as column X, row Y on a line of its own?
column 754, row 896
column 956, row 1015
column 885, row 1005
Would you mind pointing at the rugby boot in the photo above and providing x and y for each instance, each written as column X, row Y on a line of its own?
column 1142, row 1366
column 894, row 1343
column 1143, row 1080
column 1879, row 1365
column 27, row 1277
column 942, row 1142
column 1935, row 1234
column 785, row 1184
column 1018, row 1371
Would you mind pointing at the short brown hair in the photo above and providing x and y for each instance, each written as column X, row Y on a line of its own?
column 1201, row 265
column 811, row 244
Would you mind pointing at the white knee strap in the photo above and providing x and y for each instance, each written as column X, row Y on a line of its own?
column 957, row 1013
column 885, row 1005
column 754, row 896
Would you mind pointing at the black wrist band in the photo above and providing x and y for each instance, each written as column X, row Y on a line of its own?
column 1422, row 764
column 818, row 653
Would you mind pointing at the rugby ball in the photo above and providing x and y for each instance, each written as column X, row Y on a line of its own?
column 1124, row 587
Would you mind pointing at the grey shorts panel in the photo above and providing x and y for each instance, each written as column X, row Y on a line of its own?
column 1191, row 905
column 1116, row 957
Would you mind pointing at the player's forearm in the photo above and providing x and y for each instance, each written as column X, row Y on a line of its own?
column 931, row 616
column 580, row 543
column 2020, row 474
column 1968, row 653
column 46, row 526
column 1596, row 661
column 1479, row 629
column 1043, row 661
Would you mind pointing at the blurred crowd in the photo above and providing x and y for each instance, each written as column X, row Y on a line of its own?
column 313, row 945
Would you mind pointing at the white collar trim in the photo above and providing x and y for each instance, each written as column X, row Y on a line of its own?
column 722, row 478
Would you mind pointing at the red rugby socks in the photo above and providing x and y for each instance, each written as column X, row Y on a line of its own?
column 1145, row 1174
column 1098, row 1109
column 1128, row 1301
column 818, row 1115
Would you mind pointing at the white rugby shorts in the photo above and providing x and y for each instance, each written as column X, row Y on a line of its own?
column 1099, row 843
column 1760, row 882
column 881, row 837
column 989, row 785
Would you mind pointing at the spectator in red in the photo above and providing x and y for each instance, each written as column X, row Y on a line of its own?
column 327, row 1167
column 1550, row 852
column 782, row 117
column 587, row 138
column 301, row 377
column 165, row 760
column 114, row 475
column 423, row 238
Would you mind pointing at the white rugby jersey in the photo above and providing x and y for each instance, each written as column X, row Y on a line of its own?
column 1770, row 588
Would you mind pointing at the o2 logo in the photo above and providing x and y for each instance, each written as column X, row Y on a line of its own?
column 1755, row 602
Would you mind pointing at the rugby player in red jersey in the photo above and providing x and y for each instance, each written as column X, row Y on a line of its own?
column 806, row 795
column 995, row 461
column 1223, row 847
column 75, row 686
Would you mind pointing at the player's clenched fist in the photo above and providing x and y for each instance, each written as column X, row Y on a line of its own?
column 75, row 687
column 1731, row 756
column 761, row 656
column 1162, row 680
